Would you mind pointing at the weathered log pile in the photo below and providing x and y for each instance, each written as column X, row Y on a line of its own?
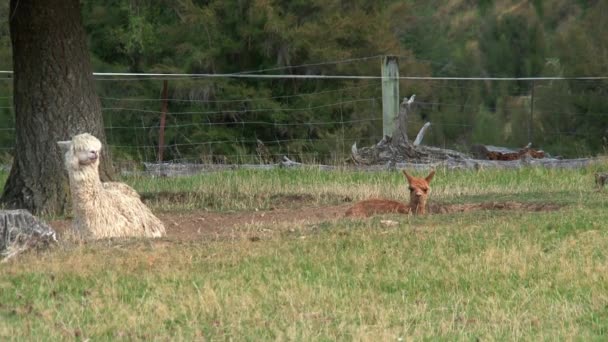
column 399, row 149
column 385, row 162
column 410, row 155
column 500, row 153
column 385, row 152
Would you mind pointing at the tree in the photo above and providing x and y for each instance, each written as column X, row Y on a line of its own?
column 54, row 99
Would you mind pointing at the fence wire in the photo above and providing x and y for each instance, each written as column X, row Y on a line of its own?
column 321, row 125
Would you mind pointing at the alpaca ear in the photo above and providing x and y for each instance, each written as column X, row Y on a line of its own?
column 409, row 178
column 64, row 145
column 429, row 178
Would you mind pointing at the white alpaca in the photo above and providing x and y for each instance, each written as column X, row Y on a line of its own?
column 103, row 210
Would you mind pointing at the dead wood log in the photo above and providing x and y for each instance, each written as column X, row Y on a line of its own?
column 383, row 153
column 421, row 133
column 502, row 153
column 433, row 158
column 400, row 135
column 20, row 231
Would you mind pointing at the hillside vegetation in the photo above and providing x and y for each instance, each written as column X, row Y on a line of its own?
column 432, row 38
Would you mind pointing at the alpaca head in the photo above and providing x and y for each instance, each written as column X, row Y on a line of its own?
column 81, row 153
column 419, row 191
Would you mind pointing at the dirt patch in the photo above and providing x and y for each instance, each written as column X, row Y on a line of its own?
column 222, row 225
column 467, row 207
column 279, row 200
column 255, row 225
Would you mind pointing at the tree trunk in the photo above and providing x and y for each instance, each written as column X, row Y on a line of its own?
column 54, row 98
column 400, row 134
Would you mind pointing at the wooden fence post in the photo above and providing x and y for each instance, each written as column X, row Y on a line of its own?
column 390, row 94
column 163, row 117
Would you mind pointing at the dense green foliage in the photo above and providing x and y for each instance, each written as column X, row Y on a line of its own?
column 221, row 118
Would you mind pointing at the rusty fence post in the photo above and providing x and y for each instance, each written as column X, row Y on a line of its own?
column 163, row 118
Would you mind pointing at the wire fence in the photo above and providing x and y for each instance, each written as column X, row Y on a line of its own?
column 218, row 120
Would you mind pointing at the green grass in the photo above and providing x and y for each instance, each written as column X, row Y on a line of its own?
column 479, row 275
column 250, row 189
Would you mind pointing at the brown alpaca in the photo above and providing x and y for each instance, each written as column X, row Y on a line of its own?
column 419, row 193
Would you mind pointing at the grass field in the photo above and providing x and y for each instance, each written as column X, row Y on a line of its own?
column 484, row 275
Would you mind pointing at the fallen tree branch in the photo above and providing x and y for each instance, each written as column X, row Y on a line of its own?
column 420, row 135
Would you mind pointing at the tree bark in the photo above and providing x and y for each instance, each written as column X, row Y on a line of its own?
column 400, row 134
column 54, row 99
